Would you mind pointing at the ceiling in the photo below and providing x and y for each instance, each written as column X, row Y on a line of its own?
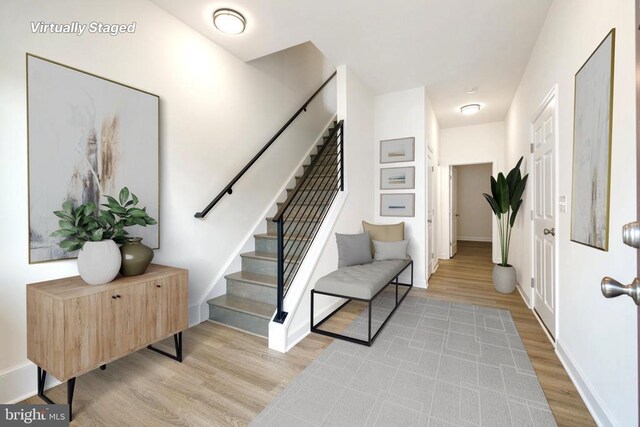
column 446, row 45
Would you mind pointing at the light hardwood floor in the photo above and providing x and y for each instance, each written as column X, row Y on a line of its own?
column 227, row 376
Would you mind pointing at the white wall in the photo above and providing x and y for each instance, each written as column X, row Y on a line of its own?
column 355, row 107
column 462, row 146
column 398, row 115
column 216, row 112
column 596, row 338
column 475, row 221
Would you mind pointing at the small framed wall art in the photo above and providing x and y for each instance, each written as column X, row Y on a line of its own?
column 397, row 178
column 399, row 204
column 397, row 150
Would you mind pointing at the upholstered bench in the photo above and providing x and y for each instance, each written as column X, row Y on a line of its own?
column 361, row 282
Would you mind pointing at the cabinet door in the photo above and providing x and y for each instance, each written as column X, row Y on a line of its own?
column 157, row 307
column 83, row 348
column 123, row 320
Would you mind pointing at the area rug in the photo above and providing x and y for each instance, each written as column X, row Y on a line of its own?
column 435, row 363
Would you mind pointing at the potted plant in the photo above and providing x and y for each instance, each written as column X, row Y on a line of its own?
column 125, row 212
column 86, row 229
column 505, row 201
column 96, row 234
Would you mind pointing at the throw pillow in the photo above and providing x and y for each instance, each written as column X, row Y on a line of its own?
column 353, row 249
column 384, row 233
column 390, row 250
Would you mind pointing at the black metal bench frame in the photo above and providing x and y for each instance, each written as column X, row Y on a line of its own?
column 370, row 338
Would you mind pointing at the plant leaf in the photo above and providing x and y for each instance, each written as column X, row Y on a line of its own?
column 124, row 195
column 516, row 197
column 493, row 204
column 96, row 235
column 494, row 185
column 67, row 207
column 134, row 199
column 150, row 221
column 515, row 213
column 63, row 215
column 89, row 209
column 137, row 213
column 63, row 233
column 502, row 191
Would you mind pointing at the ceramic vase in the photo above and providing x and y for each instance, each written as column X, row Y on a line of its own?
column 135, row 256
column 504, row 278
column 99, row 262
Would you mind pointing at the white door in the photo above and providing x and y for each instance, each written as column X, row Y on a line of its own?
column 544, row 221
column 431, row 256
column 453, row 202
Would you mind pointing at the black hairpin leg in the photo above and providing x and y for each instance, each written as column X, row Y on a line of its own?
column 71, row 385
column 177, row 341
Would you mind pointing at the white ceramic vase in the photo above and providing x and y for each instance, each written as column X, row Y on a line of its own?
column 99, row 262
column 504, row 279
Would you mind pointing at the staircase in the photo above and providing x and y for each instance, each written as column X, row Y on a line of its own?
column 250, row 301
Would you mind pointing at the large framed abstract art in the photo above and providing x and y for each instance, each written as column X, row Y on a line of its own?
column 87, row 137
column 593, row 112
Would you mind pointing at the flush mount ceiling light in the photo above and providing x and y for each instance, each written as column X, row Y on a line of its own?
column 469, row 109
column 229, row 21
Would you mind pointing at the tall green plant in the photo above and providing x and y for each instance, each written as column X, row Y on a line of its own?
column 505, row 201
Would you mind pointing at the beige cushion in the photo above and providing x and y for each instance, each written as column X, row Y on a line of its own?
column 384, row 233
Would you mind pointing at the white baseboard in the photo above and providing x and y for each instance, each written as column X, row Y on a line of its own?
column 597, row 409
column 20, row 383
column 475, row 239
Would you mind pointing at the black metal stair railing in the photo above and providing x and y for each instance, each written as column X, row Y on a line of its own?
column 228, row 189
column 301, row 215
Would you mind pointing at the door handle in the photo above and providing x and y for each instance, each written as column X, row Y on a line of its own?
column 612, row 288
column 631, row 234
column 547, row 231
column 429, row 221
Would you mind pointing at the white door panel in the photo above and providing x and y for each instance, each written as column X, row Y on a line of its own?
column 453, row 202
column 544, row 221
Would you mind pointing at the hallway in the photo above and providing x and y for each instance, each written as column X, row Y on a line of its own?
column 467, row 278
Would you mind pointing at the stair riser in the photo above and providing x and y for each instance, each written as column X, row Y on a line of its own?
column 236, row 319
column 270, row 246
column 252, row 291
column 272, row 227
column 306, row 196
column 267, row 267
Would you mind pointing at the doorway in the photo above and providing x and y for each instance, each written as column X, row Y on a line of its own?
column 470, row 218
column 544, row 217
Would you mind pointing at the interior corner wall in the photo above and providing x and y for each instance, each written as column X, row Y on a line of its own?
column 596, row 338
column 400, row 115
column 216, row 112
column 476, row 220
column 355, row 107
column 465, row 145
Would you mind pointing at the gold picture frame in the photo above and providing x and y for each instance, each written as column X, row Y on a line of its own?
column 46, row 152
column 592, row 142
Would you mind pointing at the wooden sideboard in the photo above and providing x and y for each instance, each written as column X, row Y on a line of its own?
column 73, row 327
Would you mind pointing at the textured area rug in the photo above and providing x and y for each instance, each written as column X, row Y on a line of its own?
column 434, row 364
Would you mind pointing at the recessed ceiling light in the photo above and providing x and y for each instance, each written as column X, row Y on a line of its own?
column 469, row 109
column 229, row 21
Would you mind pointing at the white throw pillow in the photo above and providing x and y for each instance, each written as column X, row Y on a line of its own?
column 390, row 250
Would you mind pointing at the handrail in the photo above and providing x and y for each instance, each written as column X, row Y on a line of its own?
column 229, row 188
column 303, row 180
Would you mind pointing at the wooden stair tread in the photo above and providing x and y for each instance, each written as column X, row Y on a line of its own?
column 287, row 237
column 244, row 305
column 267, row 256
column 258, row 279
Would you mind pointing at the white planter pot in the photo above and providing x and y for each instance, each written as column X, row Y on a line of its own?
column 504, row 279
column 99, row 262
